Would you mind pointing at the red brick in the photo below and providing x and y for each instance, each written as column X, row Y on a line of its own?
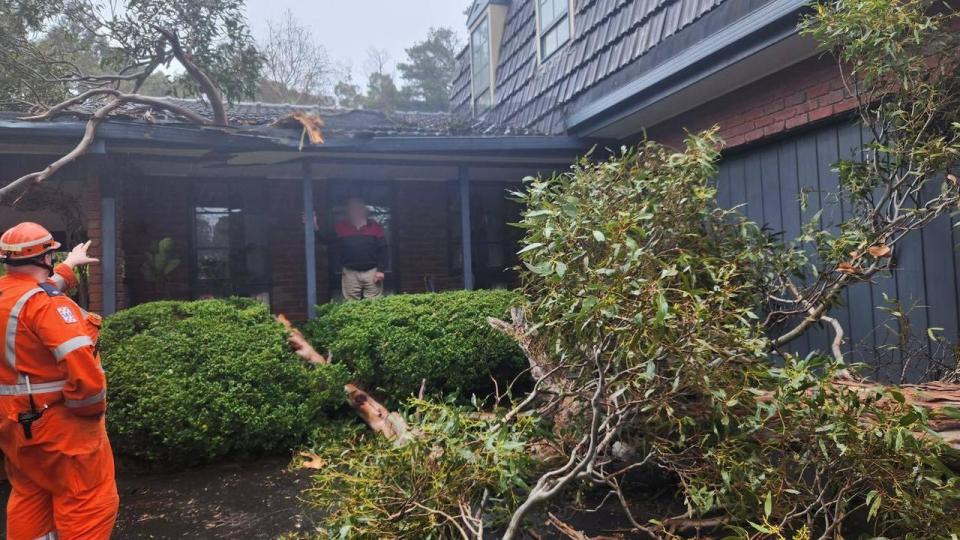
column 821, row 113
column 818, row 90
column 798, row 120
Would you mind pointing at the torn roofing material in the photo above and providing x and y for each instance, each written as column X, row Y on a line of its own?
column 338, row 122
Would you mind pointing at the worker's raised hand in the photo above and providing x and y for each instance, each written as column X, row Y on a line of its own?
column 78, row 256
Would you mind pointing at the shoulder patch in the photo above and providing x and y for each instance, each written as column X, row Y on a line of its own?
column 50, row 289
column 66, row 313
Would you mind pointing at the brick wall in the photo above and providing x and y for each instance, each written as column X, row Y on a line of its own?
column 422, row 236
column 804, row 93
column 284, row 217
column 91, row 204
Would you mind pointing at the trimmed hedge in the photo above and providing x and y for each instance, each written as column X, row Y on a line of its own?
column 190, row 382
column 391, row 344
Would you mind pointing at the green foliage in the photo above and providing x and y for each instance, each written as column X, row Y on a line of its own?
column 631, row 266
column 900, row 60
column 430, row 70
column 48, row 46
column 459, row 461
column 392, row 344
column 160, row 262
column 190, row 382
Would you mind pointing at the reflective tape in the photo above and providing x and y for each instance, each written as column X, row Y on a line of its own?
column 40, row 388
column 52, row 535
column 24, row 245
column 61, row 351
column 96, row 398
column 10, row 351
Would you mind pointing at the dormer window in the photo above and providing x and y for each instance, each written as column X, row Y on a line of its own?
column 480, row 67
column 554, row 26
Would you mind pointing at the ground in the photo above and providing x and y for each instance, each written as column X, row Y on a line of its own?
column 260, row 499
column 253, row 500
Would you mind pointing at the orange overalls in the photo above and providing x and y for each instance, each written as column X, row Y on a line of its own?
column 63, row 476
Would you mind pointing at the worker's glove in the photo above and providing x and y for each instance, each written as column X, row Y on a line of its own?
column 78, row 256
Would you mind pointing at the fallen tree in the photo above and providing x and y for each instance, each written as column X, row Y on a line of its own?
column 653, row 317
column 209, row 40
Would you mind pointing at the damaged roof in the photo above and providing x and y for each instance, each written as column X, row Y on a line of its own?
column 337, row 122
column 285, row 127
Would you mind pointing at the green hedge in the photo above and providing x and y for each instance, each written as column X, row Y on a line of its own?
column 190, row 382
column 391, row 344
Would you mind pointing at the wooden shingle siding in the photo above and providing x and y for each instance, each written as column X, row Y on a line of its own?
column 767, row 181
column 608, row 35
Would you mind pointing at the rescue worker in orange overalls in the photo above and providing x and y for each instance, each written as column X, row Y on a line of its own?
column 52, row 397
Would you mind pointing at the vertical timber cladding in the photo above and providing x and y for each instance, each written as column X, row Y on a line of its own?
column 768, row 182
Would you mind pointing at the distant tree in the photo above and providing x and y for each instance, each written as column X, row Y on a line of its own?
column 430, row 69
column 378, row 61
column 348, row 94
column 296, row 67
column 383, row 94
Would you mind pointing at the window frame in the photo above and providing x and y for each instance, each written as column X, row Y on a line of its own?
column 253, row 288
column 542, row 32
column 475, row 92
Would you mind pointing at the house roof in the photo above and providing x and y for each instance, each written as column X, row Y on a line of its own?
column 338, row 122
column 609, row 35
column 616, row 48
column 261, row 126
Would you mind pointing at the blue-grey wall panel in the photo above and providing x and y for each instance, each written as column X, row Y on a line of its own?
column 770, row 181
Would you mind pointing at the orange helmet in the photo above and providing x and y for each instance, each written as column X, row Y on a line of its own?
column 26, row 241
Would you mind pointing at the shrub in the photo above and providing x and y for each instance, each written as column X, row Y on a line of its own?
column 190, row 382
column 394, row 343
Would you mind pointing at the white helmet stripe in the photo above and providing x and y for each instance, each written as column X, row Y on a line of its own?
column 18, row 247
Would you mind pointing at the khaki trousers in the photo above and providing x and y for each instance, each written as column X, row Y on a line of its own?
column 359, row 285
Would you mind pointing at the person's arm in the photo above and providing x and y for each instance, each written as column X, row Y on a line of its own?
column 382, row 253
column 64, row 275
column 59, row 324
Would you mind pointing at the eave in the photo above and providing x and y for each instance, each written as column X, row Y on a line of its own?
column 753, row 46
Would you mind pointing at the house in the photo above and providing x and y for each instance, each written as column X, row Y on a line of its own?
column 540, row 82
column 615, row 70
column 246, row 207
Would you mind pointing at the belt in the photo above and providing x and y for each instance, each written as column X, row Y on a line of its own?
column 39, row 388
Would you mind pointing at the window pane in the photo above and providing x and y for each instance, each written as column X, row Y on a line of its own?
column 213, row 228
column 480, row 65
column 213, row 264
column 551, row 11
column 483, row 102
column 555, row 38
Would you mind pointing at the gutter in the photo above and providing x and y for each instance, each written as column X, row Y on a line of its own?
column 218, row 139
column 754, row 32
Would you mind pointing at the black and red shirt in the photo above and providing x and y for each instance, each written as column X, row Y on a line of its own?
column 361, row 248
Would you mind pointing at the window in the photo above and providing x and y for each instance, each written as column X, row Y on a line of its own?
column 480, row 67
column 553, row 23
column 230, row 244
column 494, row 241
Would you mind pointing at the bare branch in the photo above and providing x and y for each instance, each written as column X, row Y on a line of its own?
column 207, row 86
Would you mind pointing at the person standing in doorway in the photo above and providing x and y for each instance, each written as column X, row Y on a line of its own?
column 362, row 246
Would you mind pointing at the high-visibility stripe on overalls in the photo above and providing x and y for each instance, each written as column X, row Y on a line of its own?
column 63, row 476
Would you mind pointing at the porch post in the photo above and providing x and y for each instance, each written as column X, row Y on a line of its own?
column 465, row 231
column 309, row 240
column 108, row 230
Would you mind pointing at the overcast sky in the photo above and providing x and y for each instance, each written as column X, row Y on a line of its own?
column 349, row 28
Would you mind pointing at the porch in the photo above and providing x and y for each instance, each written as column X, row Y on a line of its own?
column 252, row 215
